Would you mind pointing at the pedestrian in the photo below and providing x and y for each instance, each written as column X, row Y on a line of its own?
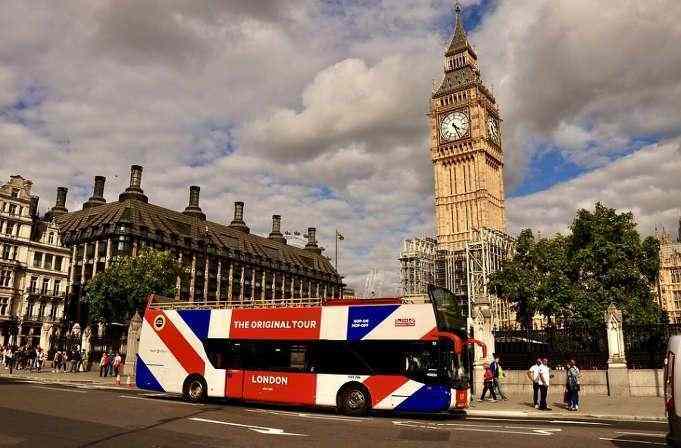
column 9, row 358
column 74, row 360
column 109, row 370
column 544, row 383
column 533, row 375
column 117, row 363
column 572, row 386
column 499, row 374
column 39, row 359
column 488, row 380
column 103, row 364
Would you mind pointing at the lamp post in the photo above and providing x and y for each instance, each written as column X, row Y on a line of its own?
column 339, row 238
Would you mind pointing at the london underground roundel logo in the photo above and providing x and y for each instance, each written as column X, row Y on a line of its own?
column 159, row 322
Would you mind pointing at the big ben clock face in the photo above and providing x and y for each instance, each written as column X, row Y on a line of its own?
column 455, row 126
column 493, row 130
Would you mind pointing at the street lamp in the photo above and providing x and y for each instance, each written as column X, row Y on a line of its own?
column 339, row 238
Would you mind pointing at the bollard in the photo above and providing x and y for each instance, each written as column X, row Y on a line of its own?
column 118, row 380
column 129, row 382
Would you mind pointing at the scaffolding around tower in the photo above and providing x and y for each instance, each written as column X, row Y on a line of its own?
column 464, row 271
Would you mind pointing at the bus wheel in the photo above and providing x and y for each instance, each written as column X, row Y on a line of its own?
column 194, row 389
column 353, row 400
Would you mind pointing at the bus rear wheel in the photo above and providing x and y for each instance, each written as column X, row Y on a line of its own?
column 353, row 400
column 194, row 390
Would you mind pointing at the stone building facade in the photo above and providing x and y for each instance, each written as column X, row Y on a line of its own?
column 669, row 283
column 33, row 268
column 465, row 148
column 224, row 261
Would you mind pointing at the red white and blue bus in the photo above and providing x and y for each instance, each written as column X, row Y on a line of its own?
column 354, row 355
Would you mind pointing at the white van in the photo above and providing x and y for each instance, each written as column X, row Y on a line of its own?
column 672, row 390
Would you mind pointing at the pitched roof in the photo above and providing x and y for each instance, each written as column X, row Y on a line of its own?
column 171, row 222
column 454, row 80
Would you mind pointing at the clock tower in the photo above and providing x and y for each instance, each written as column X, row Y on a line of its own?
column 465, row 148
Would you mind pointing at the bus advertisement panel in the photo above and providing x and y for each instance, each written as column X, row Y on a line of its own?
column 353, row 357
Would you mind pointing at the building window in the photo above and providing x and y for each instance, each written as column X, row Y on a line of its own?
column 47, row 263
column 677, row 300
column 5, row 278
column 46, row 286
column 57, row 287
column 37, row 259
column 4, row 304
column 676, row 275
column 57, row 263
column 50, row 238
column 33, row 286
column 13, row 209
column 53, row 311
column 9, row 229
column 6, row 250
column 29, row 310
column 15, row 193
column 41, row 309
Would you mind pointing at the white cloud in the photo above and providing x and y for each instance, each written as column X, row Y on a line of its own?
column 317, row 110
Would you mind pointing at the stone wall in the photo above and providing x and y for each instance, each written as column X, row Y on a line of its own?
column 642, row 383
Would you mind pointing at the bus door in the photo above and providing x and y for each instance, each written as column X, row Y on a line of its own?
column 234, row 381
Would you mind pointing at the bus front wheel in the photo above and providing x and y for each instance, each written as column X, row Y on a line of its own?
column 353, row 400
column 194, row 389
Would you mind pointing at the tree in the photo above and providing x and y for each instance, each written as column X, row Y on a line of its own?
column 115, row 294
column 576, row 277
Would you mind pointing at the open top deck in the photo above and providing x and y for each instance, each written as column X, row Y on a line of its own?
column 167, row 303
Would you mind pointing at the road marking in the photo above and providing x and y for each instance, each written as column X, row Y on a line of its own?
column 645, row 442
column 522, row 430
column 645, row 434
column 259, row 429
column 160, row 401
column 577, row 422
column 307, row 415
column 60, row 389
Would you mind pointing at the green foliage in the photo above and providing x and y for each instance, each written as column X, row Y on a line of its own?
column 576, row 277
column 116, row 293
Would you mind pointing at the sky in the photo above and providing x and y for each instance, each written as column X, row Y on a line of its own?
column 315, row 110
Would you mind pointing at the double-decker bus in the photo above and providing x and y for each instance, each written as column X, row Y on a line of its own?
column 354, row 355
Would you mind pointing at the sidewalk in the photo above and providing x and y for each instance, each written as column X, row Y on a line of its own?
column 80, row 378
column 591, row 407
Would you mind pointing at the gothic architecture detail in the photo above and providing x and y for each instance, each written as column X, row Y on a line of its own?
column 465, row 148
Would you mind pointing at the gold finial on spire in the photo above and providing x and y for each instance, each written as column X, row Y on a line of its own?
column 457, row 7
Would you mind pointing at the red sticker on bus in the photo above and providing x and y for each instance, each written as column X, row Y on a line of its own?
column 277, row 323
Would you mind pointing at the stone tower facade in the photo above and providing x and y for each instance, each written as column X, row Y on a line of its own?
column 466, row 149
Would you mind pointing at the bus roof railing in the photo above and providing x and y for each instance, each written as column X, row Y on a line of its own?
column 167, row 303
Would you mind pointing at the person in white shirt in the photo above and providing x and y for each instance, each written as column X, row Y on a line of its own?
column 533, row 375
column 544, row 382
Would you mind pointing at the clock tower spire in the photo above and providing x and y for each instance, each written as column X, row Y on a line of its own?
column 465, row 148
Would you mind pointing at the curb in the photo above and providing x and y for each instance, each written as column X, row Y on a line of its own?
column 75, row 383
column 561, row 416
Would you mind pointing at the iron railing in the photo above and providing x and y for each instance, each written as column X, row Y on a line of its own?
column 646, row 345
column 519, row 349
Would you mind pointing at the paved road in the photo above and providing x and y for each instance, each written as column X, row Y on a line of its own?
column 49, row 415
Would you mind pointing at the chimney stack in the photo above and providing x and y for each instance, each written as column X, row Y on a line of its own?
column 60, row 205
column 193, row 209
column 33, row 208
column 97, row 194
column 312, row 240
column 276, row 234
column 134, row 191
column 238, row 222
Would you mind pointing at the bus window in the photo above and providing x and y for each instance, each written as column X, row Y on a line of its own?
column 223, row 354
column 276, row 356
column 336, row 357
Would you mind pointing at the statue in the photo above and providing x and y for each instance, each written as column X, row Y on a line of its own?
column 613, row 322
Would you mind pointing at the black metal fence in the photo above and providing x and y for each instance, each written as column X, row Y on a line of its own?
column 519, row 349
column 646, row 345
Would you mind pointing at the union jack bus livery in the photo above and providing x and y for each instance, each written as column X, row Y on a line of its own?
column 354, row 355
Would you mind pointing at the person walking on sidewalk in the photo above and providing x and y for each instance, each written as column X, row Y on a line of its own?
column 573, row 385
column 103, row 364
column 533, row 375
column 117, row 364
column 544, row 383
column 488, row 379
column 498, row 372
column 9, row 359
